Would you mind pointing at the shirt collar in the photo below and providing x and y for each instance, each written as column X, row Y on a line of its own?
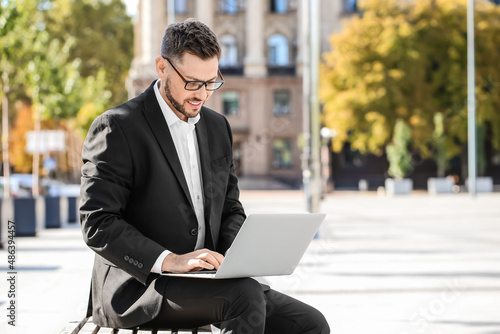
column 169, row 115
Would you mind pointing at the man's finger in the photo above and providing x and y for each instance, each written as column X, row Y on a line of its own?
column 208, row 257
column 198, row 264
column 218, row 256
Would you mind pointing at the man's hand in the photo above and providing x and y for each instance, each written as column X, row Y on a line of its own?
column 194, row 261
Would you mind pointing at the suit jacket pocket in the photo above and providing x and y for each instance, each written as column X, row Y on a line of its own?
column 221, row 162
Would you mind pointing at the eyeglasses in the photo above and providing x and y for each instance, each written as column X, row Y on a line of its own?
column 195, row 85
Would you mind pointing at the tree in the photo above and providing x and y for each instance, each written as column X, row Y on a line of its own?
column 18, row 28
column 63, row 58
column 55, row 87
column 103, row 39
column 397, row 152
column 23, row 123
column 440, row 149
column 95, row 100
column 407, row 60
column 43, row 70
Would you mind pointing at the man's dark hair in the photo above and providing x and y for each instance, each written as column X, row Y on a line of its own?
column 190, row 36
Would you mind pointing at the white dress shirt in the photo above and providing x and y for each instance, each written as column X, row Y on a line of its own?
column 184, row 137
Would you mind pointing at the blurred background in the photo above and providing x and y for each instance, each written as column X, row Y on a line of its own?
column 391, row 93
column 350, row 103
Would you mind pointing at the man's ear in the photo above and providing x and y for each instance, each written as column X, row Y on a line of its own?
column 161, row 66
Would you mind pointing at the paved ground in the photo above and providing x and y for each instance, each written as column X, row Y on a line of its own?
column 404, row 265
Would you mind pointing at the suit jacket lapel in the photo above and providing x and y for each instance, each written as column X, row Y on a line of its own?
column 206, row 172
column 156, row 120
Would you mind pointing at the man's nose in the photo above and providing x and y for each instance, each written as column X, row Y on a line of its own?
column 202, row 93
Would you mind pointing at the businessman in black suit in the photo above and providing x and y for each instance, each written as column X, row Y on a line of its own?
column 159, row 193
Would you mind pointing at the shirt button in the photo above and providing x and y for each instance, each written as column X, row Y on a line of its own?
column 194, row 231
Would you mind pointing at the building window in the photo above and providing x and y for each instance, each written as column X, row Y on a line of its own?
column 282, row 154
column 281, row 103
column 278, row 50
column 350, row 6
column 180, row 7
column 279, row 6
column 229, row 51
column 231, row 103
column 228, row 6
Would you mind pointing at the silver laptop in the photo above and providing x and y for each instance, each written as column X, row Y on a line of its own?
column 266, row 245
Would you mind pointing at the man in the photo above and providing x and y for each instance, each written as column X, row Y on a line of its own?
column 159, row 192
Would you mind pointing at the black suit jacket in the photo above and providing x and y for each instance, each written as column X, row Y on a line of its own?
column 135, row 203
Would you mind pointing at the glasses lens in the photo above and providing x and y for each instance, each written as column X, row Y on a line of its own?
column 213, row 85
column 210, row 85
column 193, row 85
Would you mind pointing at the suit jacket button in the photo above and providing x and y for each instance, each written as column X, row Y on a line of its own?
column 140, row 265
column 126, row 258
column 136, row 263
column 194, row 231
column 131, row 260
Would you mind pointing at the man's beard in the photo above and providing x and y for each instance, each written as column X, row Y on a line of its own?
column 176, row 104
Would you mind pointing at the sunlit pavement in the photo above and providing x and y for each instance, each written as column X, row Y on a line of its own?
column 403, row 265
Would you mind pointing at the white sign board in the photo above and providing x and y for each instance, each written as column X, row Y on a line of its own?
column 46, row 141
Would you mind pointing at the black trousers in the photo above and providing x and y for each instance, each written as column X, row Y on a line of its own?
column 241, row 306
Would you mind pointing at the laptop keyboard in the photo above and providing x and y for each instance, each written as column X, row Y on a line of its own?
column 203, row 272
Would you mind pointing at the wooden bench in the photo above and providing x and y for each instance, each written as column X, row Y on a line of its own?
column 86, row 326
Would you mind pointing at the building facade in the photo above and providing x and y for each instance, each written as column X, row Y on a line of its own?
column 262, row 65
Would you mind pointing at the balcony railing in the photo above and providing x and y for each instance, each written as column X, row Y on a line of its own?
column 232, row 70
column 280, row 70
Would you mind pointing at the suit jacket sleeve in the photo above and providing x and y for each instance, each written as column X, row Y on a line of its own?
column 106, row 187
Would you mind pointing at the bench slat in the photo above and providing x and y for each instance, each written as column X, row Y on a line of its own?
column 142, row 331
column 89, row 328
column 71, row 327
column 86, row 326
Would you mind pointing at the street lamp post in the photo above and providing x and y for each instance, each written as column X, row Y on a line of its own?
column 311, row 164
column 5, row 135
column 315, row 182
column 306, row 131
column 471, row 101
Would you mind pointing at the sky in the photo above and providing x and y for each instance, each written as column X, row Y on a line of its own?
column 131, row 6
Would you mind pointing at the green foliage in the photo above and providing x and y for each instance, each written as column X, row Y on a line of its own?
column 58, row 89
column 53, row 79
column 440, row 149
column 96, row 98
column 18, row 30
column 397, row 152
column 70, row 57
column 103, row 35
column 407, row 60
